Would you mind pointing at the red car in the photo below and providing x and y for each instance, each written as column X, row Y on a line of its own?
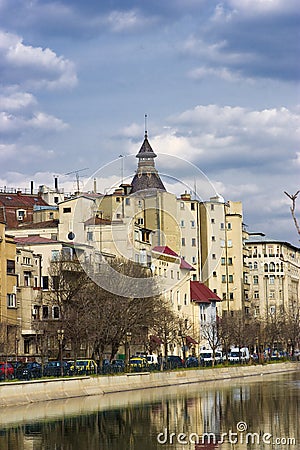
column 6, row 371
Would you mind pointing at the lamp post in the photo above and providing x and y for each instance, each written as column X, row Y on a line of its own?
column 60, row 337
column 128, row 341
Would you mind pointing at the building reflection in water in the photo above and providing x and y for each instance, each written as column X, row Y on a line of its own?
column 268, row 405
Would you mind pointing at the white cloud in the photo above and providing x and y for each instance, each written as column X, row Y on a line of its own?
column 33, row 67
column 17, row 101
column 120, row 21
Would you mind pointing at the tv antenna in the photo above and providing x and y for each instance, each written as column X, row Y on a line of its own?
column 76, row 172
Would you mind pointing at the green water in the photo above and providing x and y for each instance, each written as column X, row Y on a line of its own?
column 267, row 406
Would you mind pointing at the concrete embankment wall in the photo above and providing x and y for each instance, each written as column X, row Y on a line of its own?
column 24, row 392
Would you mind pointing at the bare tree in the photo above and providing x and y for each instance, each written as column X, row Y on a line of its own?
column 210, row 332
column 293, row 208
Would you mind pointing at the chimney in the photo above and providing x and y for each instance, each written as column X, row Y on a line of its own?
column 95, row 186
column 31, row 187
column 56, row 183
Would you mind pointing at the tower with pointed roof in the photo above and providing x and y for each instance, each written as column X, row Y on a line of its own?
column 146, row 176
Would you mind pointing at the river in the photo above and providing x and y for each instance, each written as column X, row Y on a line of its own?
column 253, row 413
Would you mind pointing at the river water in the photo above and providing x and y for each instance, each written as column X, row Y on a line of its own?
column 253, row 413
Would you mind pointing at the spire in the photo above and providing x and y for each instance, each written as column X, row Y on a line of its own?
column 146, row 176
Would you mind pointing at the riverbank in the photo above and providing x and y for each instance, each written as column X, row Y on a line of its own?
column 25, row 392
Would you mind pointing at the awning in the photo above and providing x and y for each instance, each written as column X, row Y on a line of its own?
column 155, row 339
column 190, row 340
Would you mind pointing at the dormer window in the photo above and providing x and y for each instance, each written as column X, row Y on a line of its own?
column 21, row 214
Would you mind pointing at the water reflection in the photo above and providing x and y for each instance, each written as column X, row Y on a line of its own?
column 132, row 421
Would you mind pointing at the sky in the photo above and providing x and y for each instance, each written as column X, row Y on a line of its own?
column 218, row 80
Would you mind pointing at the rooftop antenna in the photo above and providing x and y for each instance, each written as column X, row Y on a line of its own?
column 146, row 127
column 77, row 176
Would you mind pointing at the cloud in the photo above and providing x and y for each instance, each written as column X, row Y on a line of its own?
column 252, row 39
column 33, row 67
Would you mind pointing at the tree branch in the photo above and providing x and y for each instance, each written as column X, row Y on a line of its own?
column 293, row 208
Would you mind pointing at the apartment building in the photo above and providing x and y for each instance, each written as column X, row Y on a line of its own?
column 8, row 293
column 274, row 275
column 223, row 252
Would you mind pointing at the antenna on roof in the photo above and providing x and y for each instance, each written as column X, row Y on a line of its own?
column 77, row 176
column 146, row 127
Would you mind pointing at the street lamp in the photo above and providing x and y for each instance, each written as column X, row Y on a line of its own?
column 128, row 340
column 60, row 337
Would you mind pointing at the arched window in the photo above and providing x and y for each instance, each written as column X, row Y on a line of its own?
column 266, row 267
column 272, row 267
column 255, row 265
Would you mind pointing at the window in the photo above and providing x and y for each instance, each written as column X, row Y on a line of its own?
column 172, row 274
column 272, row 279
column 36, row 282
column 223, row 261
column 272, row 310
column 10, row 266
column 140, row 221
column 229, row 243
column 255, row 265
column 165, row 273
column 67, row 253
column 193, row 242
column 229, row 226
column 213, row 238
column 118, row 200
column 21, row 213
column 272, row 294
column 194, row 260
column 26, row 346
column 230, row 261
column 212, row 220
column 250, row 265
column 127, row 201
column 231, row 296
column 45, row 311
column 247, row 310
column 26, row 279
column 90, row 235
column 256, row 294
column 222, row 225
column 272, row 267
column 224, row 296
column 45, row 282
column 56, row 199
column 182, row 223
column 11, row 300
column 193, row 206
column 255, row 279
column 230, row 278
column 67, row 210
column 214, row 274
column 54, row 255
column 183, row 241
column 222, row 243
column 178, row 276
column 212, row 207
column 181, row 205
column 213, row 256
column 51, row 215
column 55, row 312
column 55, row 283
column 256, row 311
column 223, row 278
column 185, row 299
column 192, row 224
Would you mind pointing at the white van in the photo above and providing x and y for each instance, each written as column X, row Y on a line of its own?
column 206, row 357
column 152, row 359
column 239, row 355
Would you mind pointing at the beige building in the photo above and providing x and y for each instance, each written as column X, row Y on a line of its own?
column 274, row 276
column 223, row 252
column 8, row 294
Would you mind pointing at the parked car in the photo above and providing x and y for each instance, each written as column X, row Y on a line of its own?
column 138, row 363
column 239, row 355
column 85, row 367
column 29, row 370
column 6, row 371
column 53, row 369
column 192, row 361
column 206, row 357
column 174, row 362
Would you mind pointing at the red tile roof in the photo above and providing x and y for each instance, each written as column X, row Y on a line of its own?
column 27, row 240
column 46, row 224
column 21, row 200
column 202, row 294
column 165, row 250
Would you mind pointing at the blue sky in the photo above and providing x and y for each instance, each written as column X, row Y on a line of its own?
column 219, row 81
